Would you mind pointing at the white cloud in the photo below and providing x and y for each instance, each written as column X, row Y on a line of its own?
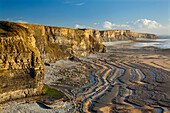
column 77, row 26
column 109, row 25
column 14, row 20
column 74, row 3
column 169, row 19
column 149, row 26
column 95, row 23
column 80, row 26
column 145, row 24
column 8, row 19
column 80, row 4
column 140, row 25
column 21, row 21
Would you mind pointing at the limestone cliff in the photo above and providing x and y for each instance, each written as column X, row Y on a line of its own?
column 24, row 48
column 21, row 69
column 113, row 35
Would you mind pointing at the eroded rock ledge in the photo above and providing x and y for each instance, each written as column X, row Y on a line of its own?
column 25, row 47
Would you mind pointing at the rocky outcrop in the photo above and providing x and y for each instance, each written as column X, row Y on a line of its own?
column 21, row 69
column 25, row 47
column 113, row 35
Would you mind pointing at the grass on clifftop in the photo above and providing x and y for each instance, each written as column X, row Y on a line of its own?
column 2, row 31
column 12, row 29
column 52, row 92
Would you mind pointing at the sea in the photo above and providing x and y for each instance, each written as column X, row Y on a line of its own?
column 162, row 43
column 159, row 43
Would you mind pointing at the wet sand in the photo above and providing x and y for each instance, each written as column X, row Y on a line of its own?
column 123, row 80
column 128, row 80
column 139, row 80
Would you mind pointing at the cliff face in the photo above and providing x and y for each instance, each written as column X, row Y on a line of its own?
column 21, row 70
column 24, row 48
column 55, row 43
column 113, row 35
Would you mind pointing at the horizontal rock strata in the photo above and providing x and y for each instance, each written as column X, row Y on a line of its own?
column 21, row 69
column 113, row 35
column 25, row 47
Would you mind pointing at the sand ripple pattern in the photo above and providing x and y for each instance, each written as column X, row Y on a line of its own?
column 125, row 86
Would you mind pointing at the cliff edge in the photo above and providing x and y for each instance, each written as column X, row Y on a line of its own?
column 115, row 35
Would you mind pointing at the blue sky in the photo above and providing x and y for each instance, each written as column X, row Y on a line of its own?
column 152, row 16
